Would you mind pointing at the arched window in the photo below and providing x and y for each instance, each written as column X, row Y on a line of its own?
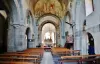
column 29, row 17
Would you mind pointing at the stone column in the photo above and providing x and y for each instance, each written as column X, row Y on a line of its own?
column 40, row 34
column 57, row 36
column 31, row 43
column 62, row 33
column 14, row 19
column 19, row 37
column 35, row 33
column 76, row 18
column 11, row 39
column 16, row 38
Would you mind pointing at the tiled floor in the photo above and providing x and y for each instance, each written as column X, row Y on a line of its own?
column 47, row 58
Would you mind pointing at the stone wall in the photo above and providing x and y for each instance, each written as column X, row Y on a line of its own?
column 92, row 23
column 17, row 27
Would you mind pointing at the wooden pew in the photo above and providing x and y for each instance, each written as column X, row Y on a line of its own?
column 58, row 50
column 79, row 59
column 4, row 59
column 29, row 54
column 35, row 54
column 35, row 50
column 13, row 62
column 64, row 51
column 21, row 57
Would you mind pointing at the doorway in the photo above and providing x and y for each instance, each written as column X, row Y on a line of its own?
column 28, row 35
column 48, row 34
column 3, row 34
column 91, row 48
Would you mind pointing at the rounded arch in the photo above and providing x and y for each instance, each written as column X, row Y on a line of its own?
column 68, row 23
column 48, row 32
column 3, row 33
column 45, row 22
column 28, row 12
column 68, row 14
column 29, row 17
column 49, row 18
column 28, row 36
column 2, row 16
column 48, row 15
column 91, row 48
column 90, row 38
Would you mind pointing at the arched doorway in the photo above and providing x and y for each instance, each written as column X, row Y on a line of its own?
column 91, row 49
column 48, row 34
column 49, row 18
column 3, row 34
column 28, row 35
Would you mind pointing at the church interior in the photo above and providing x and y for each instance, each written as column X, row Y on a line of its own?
column 49, row 31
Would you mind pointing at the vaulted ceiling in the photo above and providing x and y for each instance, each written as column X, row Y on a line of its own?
column 41, row 7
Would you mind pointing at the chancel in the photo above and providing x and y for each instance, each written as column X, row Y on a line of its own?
column 49, row 31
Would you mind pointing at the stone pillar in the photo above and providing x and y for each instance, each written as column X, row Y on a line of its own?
column 16, row 38
column 40, row 36
column 31, row 32
column 57, row 35
column 37, row 36
column 31, row 43
column 77, row 26
column 14, row 19
column 84, row 43
column 62, row 33
column 19, row 38
column 35, row 33
column 11, row 39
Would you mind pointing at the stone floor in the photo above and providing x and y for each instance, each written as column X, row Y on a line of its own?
column 47, row 58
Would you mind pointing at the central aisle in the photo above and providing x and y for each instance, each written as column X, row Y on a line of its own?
column 47, row 58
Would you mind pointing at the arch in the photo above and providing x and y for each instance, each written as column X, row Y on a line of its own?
column 91, row 49
column 2, row 16
column 90, row 38
column 68, row 14
column 5, row 5
column 3, row 34
column 28, row 36
column 45, row 15
column 29, row 17
column 49, row 18
column 49, row 29
column 28, row 12
column 45, row 22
